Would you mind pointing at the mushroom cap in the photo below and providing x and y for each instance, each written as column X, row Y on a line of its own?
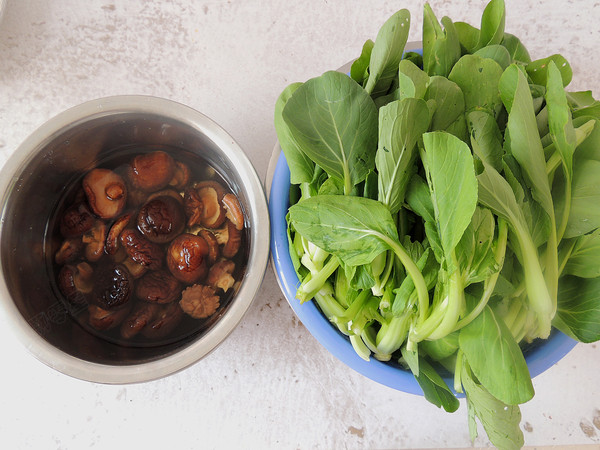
column 76, row 220
column 233, row 210
column 105, row 191
column 151, row 171
column 161, row 219
column 113, row 287
column 158, row 286
column 141, row 250
column 187, row 256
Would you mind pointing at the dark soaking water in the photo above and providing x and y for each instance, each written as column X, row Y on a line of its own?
column 148, row 247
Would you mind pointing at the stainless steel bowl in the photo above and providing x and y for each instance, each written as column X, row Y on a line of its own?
column 32, row 181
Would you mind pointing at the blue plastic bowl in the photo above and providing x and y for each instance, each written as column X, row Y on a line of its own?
column 539, row 357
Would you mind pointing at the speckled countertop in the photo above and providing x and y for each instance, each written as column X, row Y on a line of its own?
column 270, row 384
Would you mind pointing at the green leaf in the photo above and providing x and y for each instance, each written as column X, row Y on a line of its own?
column 468, row 36
column 359, row 71
column 498, row 53
column 301, row 167
column 587, row 134
column 496, row 193
column 441, row 47
column 560, row 121
column 578, row 313
column 401, row 124
column 435, row 389
column 334, row 121
column 583, row 104
column 451, row 178
column 418, row 199
column 523, row 138
column 355, row 229
column 407, row 286
column 387, row 53
column 538, row 69
column 492, row 24
column 500, row 421
column 584, row 260
column 440, row 349
column 414, row 57
column 562, row 132
column 474, row 252
column 478, row 79
column 331, row 186
column 516, row 49
column 449, row 102
column 412, row 81
column 496, row 359
column 486, row 138
column 585, row 198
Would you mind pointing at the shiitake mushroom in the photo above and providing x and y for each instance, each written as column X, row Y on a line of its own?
column 127, row 247
column 150, row 172
column 141, row 250
column 161, row 219
column 187, row 257
column 106, row 192
column 113, row 287
column 158, row 286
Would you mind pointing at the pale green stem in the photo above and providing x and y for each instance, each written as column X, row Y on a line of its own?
column 415, row 274
column 490, row 283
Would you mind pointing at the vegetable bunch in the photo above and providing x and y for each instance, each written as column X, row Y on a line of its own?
column 446, row 209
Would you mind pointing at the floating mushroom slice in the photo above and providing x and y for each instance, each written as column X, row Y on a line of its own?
column 135, row 269
column 233, row 210
column 75, row 282
column 76, row 220
column 141, row 314
column 211, row 194
column 181, row 175
column 141, row 250
column 187, row 258
column 151, row 171
column 102, row 319
column 234, row 241
column 158, row 286
column 220, row 275
column 199, row 301
column 164, row 322
column 112, row 240
column 213, row 245
column 69, row 251
column 193, row 207
column 106, row 192
column 94, row 241
column 113, row 287
column 222, row 234
column 161, row 219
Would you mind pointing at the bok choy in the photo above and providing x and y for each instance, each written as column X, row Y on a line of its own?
column 445, row 208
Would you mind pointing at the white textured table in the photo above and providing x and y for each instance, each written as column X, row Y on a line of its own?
column 270, row 384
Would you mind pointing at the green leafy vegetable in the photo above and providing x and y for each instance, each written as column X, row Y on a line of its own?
column 495, row 358
column 500, row 421
column 401, row 124
column 301, row 167
column 578, row 312
column 441, row 47
column 334, row 122
column 446, row 208
column 387, row 53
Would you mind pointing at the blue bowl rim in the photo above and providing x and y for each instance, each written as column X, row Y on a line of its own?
column 539, row 358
